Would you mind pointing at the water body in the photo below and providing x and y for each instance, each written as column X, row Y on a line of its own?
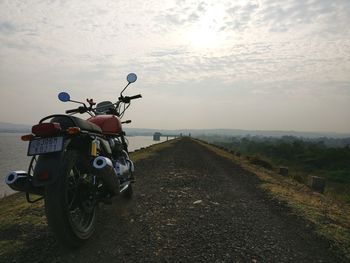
column 13, row 154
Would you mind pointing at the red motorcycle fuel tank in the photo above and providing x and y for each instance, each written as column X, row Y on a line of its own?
column 109, row 124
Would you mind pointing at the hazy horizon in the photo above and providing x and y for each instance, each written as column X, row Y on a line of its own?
column 250, row 65
column 347, row 134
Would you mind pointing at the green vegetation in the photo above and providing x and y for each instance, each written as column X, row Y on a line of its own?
column 261, row 161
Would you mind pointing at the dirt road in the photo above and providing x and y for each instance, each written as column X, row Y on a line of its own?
column 190, row 205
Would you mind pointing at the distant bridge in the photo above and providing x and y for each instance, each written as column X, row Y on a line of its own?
column 157, row 135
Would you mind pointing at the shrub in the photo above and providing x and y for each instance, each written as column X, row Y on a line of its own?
column 301, row 178
column 339, row 176
column 260, row 161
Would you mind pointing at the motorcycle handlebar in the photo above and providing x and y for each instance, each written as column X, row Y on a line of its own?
column 127, row 99
column 135, row 97
column 71, row 111
column 78, row 110
column 83, row 109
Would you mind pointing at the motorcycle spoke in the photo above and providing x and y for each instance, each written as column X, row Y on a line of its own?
column 72, row 202
column 80, row 218
column 75, row 217
column 72, row 189
column 81, row 222
column 77, row 191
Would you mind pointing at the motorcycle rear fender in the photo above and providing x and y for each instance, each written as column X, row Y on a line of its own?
column 46, row 170
column 48, row 166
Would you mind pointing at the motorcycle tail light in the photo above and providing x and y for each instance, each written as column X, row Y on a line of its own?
column 43, row 129
column 27, row 137
column 73, row 130
column 43, row 176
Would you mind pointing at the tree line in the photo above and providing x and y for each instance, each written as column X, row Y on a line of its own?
column 326, row 157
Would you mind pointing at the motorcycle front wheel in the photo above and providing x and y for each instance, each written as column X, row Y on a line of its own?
column 70, row 205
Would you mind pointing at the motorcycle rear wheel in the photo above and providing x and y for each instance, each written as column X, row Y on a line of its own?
column 128, row 193
column 69, row 204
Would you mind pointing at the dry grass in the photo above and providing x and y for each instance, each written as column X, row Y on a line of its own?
column 330, row 217
column 151, row 150
column 16, row 218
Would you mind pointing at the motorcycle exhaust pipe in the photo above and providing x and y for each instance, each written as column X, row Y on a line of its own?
column 18, row 181
column 106, row 171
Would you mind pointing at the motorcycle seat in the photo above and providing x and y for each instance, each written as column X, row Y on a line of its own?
column 70, row 121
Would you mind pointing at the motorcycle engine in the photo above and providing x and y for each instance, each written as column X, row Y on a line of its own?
column 121, row 161
column 116, row 147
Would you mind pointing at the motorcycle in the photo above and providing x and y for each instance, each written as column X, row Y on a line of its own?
column 76, row 164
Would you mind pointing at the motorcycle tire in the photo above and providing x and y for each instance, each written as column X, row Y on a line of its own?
column 69, row 204
column 128, row 193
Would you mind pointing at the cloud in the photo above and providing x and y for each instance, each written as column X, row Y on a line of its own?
column 79, row 36
column 168, row 52
column 7, row 28
column 239, row 16
column 291, row 14
column 183, row 14
column 244, row 49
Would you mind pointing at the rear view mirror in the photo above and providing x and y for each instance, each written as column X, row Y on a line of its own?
column 131, row 78
column 63, row 96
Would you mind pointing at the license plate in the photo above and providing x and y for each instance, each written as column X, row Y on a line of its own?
column 45, row 145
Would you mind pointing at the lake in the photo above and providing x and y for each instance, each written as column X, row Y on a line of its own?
column 13, row 154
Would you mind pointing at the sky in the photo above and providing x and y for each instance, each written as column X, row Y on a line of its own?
column 256, row 65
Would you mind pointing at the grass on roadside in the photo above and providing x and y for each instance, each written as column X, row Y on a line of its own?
column 150, row 151
column 330, row 217
column 18, row 219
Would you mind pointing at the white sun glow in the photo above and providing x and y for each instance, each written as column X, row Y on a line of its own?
column 205, row 34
